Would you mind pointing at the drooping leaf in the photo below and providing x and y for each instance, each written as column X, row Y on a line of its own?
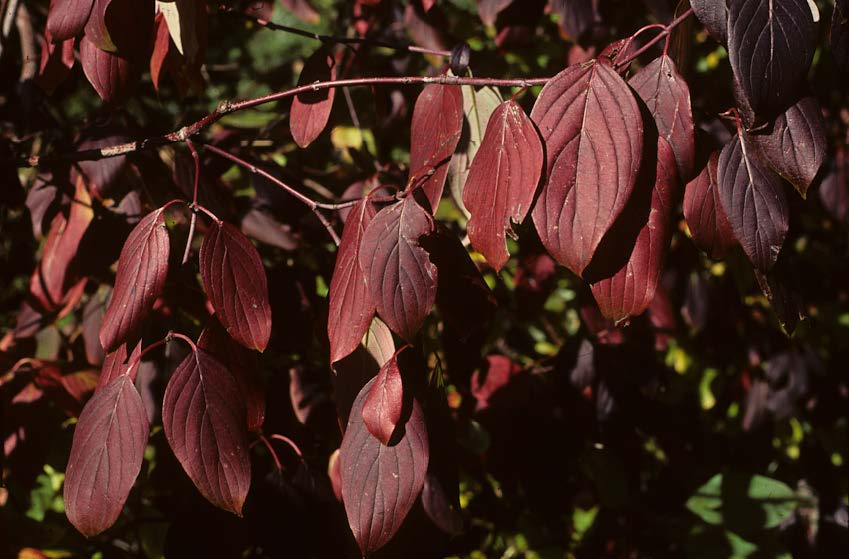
column 630, row 290
column 785, row 302
column 183, row 18
column 234, row 280
column 435, row 131
column 753, row 199
column 840, row 34
column 56, row 62
column 67, row 18
column 668, row 99
column 351, row 305
column 713, row 14
column 502, row 180
column 106, row 456
column 488, row 10
column 399, row 274
column 203, row 415
column 122, row 27
column 770, row 46
column 381, row 483
column 379, row 342
column 311, row 109
column 576, row 16
column 385, row 401
column 142, row 268
column 794, row 144
column 117, row 363
column 113, row 77
column 703, row 211
column 593, row 133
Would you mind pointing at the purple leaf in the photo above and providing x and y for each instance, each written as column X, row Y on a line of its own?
column 142, row 268
column 56, row 62
column 703, row 211
column 753, row 198
column 840, row 34
column 351, row 304
column 385, row 401
column 203, row 415
column 713, row 14
column 437, row 124
column 593, row 133
column 398, row 271
column 67, row 18
column 381, row 483
column 106, row 456
column 310, row 110
column 502, row 180
column 113, row 77
column 234, row 280
column 116, row 364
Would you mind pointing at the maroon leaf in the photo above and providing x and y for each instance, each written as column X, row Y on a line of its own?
column 56, row 62
column 142, row 268
column 713, row 14
column 106, row 456
column 203, row 415
column 380, row 483
column 66, row 18
column 703, row 211
column 234, row 280
column 351, row 305
column 770, row 46
column 116, row 364
column 310, row 110
column 840, row 34
column 400, row 276
column 489, row 9
column 788, row 308
column 752, row 197
column 92, row 318
column 632, row 288
column 502, row 180
column 437, row 124
column 385, row 401
column 499, row 372
column 113, row 77
column 668, row 99
column 593, row 133
column 795, row 143
column 104, row 175
column 834, row 190
column 576, row 16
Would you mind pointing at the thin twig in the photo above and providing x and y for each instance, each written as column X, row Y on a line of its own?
column 666, row 31
column 194, row 218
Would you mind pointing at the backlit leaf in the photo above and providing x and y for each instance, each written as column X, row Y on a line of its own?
column 593, row 135
column 67, row 18
column 385, row 401
column 703, row 211
column 502, row 180
column 203, row 415
column 234, row 280
column 142, row 268
column 399, row 273
column 351, row 304
column 106, row 456
column 381, row 483
column 112, row 76
column 436, row 127
column 311, row 109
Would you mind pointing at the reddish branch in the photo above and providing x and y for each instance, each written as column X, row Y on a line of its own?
column 666, row 31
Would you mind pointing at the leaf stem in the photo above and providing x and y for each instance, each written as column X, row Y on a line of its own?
column 194, row 217
column 666, row 31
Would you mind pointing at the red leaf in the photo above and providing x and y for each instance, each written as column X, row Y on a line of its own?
column 142, row 268
column 593, row 133
column 161, row 48
column 66, row 18
column 437, row 124
column 234, row 280
column 399, row 274
column 668, row 99
column 713, row 14
column 380, row 483
column 489, row 9
column 113, row 77
column 56, row 62
column 500, row 370
column 630, row 290
column 385, row 401
column 116, row 364
column 122, row 27
column 106, row 456
column 204, row 420
column 703, row 211
column 502, row 180
column 753, row 198
column 351, row 305
column 92, row 318
column 311, row 109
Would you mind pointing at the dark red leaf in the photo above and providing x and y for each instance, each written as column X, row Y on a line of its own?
column 310, row 110
column 96, row 30
column 840, row 34
column 834, row 190
column 576, row 16
column 437, row 124
column 203, row 415
column 142, row 268
column 67, row 18
column 489, row 9
column 502, row 180
column 351, row 304
column 117, row 363
column 789, row 310
column 122, row 27
column 161, row 48
column 41, row 199
column 593, row 133
column 770, row 46
column 56, row 62
column 630, row 290
column 794, row 144
column 234, row 280
column 381, row 483
column 703, row 211
column 104, row 175
column 106, row 456
column 400, row 276
column 93, row 313
column 713, row 14
column 500, row 370
column 668, row 99
column 753, row 198
column 385, row 401
column 113, row 77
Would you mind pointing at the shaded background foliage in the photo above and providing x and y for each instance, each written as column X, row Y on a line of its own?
column 701, row 429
